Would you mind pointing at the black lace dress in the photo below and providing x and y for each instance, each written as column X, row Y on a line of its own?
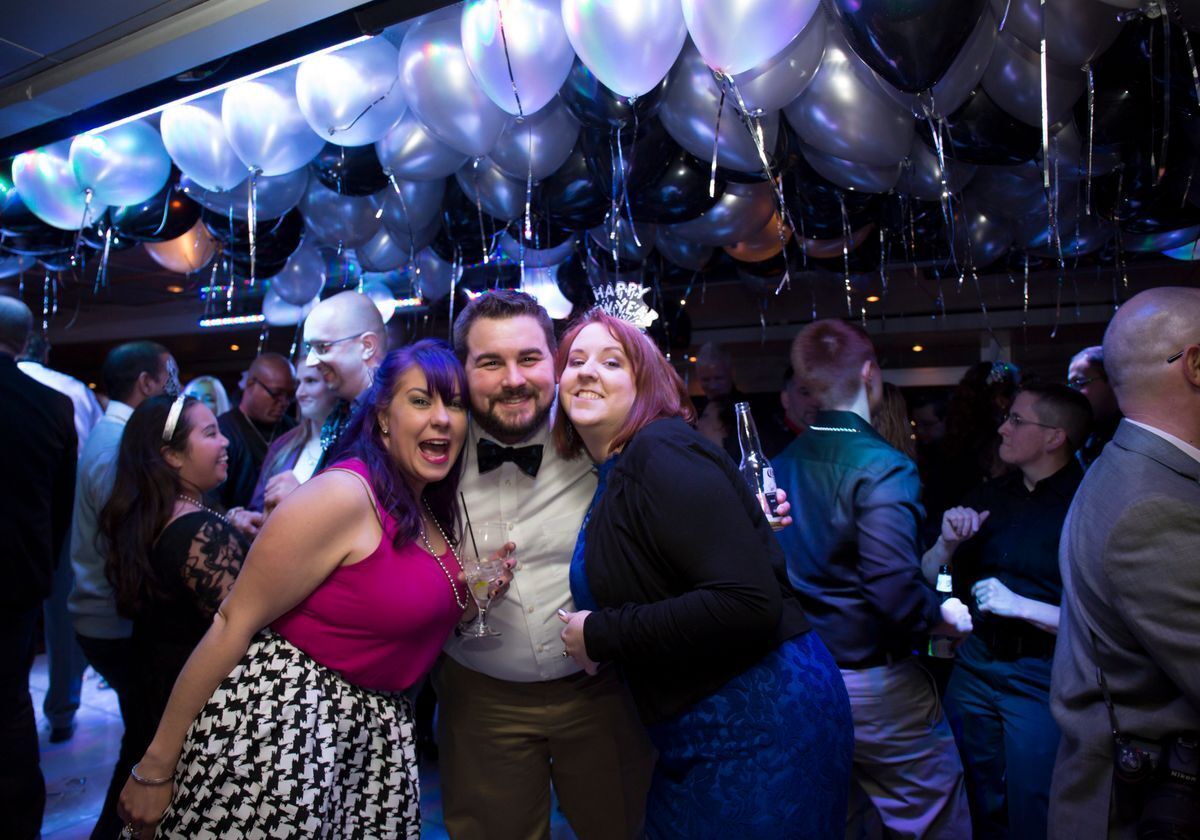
column 196, row 559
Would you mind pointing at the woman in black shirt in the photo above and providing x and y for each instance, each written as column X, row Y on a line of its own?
column 679, row 580
column 171, row 559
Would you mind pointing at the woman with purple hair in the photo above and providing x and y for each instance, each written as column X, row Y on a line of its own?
column 289, row 719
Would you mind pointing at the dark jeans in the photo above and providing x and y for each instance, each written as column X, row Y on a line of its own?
column 1000, row 714
column 112, row 659
column 22, row 787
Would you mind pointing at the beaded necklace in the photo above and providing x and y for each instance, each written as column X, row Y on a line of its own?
column 462, row 604
column 205, row 507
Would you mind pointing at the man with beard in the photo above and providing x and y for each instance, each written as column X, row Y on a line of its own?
column 515, row 713
column 344, row 339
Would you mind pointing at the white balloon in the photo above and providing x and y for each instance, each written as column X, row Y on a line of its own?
column 629, row 45
column 352, row 96
column 46, row 182
column 123, row 165
column 533, row 45
column 279, row 313
column 265, row 126
column 195, row 138
column 736, row 35
column 542, row 284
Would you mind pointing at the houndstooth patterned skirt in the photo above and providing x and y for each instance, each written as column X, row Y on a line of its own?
column 287, row 748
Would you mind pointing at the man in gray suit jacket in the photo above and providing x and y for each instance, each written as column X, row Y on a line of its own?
column 1130, row 561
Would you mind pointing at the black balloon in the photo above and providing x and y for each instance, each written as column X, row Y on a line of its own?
column 461, row 227
column 981, row 133
column 63, row 260
column 572, row 196
column 644, row 158
column 679, row 194
column 349, row 170
column 39, row 241
column 573, row 281
column 910, row 44
column 815, row 204
column 275, row 239
column 168, row 214
column 94, row 235
column 15, row 217
column 239, row 263
column 596, row 106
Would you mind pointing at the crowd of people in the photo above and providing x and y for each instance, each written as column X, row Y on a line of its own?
column 268, row 597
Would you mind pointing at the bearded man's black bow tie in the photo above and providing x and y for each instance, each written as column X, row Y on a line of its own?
column 527, row 458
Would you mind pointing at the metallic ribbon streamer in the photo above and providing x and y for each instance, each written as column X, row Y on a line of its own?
column 102, row 272
column 296, row 342
column 846, row 234
column 625, row 186
column 1187, row 44
column 479, row 210
column 1166, row 132
column 935, row 130
column 412, row 245
column 712, row 175
column 1091, row 137
column 334, row 129
column 46, row 301
column 1004, row 17
column 252, row 220
column 262, row 338
column 87, row 204
column 508, row 60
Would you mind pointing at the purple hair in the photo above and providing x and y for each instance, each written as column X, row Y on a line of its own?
column 362, row 438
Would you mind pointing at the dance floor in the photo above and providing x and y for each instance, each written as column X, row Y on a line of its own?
column 77, row 771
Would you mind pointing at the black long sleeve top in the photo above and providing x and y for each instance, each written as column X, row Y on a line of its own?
column 688, row 575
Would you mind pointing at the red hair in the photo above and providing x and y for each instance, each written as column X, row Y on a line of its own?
column 659, row 390
column 828, row 357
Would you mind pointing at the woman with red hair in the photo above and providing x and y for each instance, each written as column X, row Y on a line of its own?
column 679, row 581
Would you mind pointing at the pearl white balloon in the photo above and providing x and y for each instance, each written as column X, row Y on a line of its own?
column 265, row 126
column 736, row 35
column 46, row 182
column 195, row 138
column 550, row 134
column 410, row 152
column 302, row 278
column 499, row 195
column 534, row 45
column 442, row 91
column 771, row 84
column 279, row 313
column 352, row 96
column 124, row 165
column 629, row 45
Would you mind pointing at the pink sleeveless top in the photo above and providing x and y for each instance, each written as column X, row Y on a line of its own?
column 382, row 621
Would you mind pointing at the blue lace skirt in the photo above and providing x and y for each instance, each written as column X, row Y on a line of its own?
column 768, row 755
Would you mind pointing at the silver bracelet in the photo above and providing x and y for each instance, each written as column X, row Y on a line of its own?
column 142, row 780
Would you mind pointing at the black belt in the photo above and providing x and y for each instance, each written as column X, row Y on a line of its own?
column 1018, row 645
column 875, row 660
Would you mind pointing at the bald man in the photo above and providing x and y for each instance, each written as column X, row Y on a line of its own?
column 1130, row 563
column 1086, row 375
column 344, row 339
column 268, row 388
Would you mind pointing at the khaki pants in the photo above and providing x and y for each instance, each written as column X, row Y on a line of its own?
column 905, row 758
column 503, row 743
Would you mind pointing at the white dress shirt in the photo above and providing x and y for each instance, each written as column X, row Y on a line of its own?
column 545, row 513
column 87, row 408
column 1179, row 443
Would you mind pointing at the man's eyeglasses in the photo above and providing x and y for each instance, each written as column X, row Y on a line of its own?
column 1078, row 383
column 1017, row 421
column 277, row 394
column 323, row 347
column 1177, row 356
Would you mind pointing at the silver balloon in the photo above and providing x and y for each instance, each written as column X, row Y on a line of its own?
column 417, row 205
column 689, row 113
column 628, row 46
column 340, row 220
column 442, row 91
column 533, row 51
column 280, row 313
column 740, row 212
column 775, row 82
column 1013, row 79
column 960, row 78
column 845, row 112
column 628, row 248
column 46, row 182
column 510, row 249
column 383, row 252
column 436, row 276
column 410, row 152
column 682, row 252
column 123, row 165
column 276, row 195
column 859, row 177
column 1076, row 30
column 921, row 175
column 500, row 195
column 736, row 35
column 302, row 278
column 1160, row 241
column 265, row 126
column 195, row 138
column 550, row 133
column 352, row 96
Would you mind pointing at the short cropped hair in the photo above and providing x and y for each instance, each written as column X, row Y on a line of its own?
column 126, row 362
column 828, row 357
column 1064, row 407
column 659, row 390
column 500, row 304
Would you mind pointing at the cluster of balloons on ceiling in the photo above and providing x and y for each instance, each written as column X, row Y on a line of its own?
column 583, row 135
